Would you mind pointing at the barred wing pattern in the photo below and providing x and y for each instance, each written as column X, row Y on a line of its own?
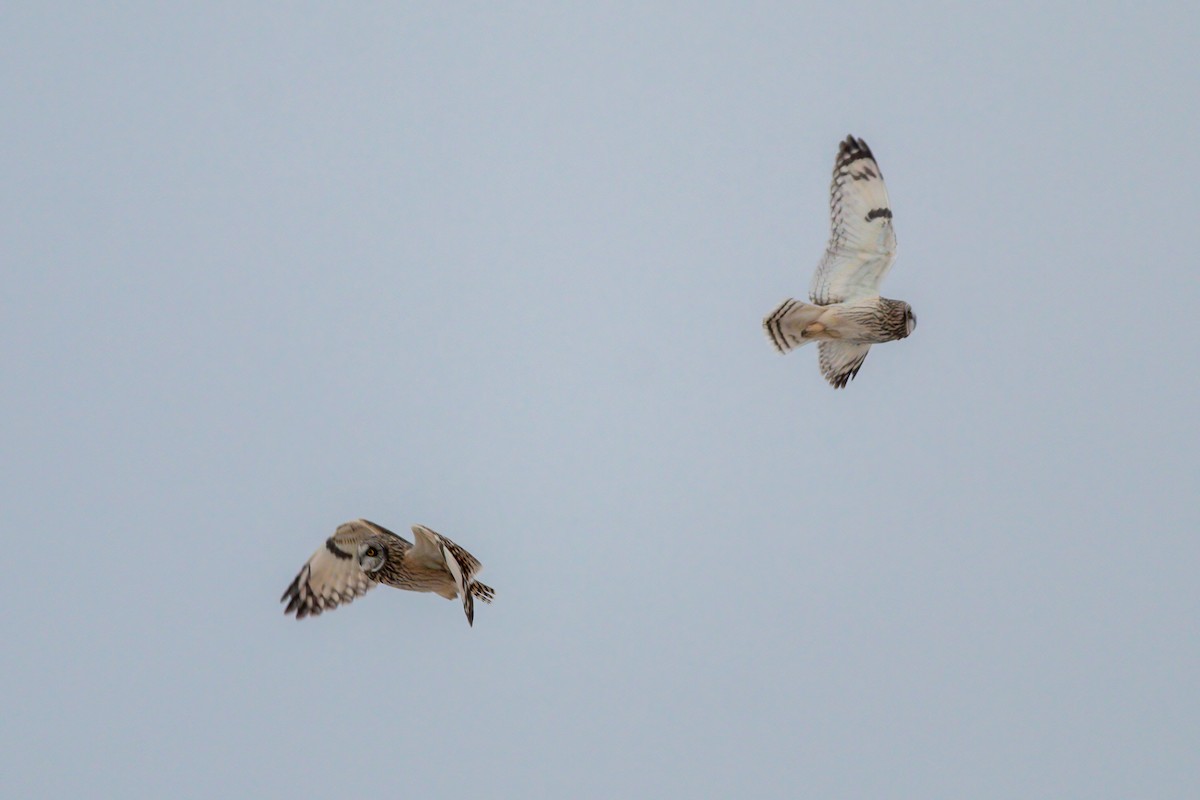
column 841, row 361
column 436, row 550
column 862, row 243
column 332, row 577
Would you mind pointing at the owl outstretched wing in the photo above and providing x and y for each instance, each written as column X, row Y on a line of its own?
column 862, row 243
column 333, row 576
column 841, row 361
column 436, row 550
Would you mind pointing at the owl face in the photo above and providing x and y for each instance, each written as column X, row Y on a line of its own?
column 371, row 556
column 910, row 320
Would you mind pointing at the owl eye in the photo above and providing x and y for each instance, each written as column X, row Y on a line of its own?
column 371, row 557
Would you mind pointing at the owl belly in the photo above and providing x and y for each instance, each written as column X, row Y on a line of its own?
column 417, row 577
column 857, row 323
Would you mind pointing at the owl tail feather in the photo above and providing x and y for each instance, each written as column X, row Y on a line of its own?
column 787, row 326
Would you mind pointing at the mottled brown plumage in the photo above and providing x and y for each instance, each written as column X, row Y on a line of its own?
column 362, row 554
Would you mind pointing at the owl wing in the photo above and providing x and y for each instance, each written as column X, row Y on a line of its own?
column 437, row 550
column 862, row 243
column 841, row 361
column 332, row 576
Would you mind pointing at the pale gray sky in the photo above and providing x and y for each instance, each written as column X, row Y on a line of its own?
column 500, row 269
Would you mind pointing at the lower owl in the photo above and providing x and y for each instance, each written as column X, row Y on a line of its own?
column 362, row 554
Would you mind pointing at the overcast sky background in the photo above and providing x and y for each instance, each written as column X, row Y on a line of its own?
column 500, row 269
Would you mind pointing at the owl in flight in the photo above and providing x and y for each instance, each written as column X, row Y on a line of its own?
column 361, row 554
column 847, row 315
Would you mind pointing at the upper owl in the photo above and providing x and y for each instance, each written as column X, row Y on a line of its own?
column 846, row 314
column 361, row 554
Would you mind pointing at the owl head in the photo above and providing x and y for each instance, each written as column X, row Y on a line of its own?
column 910, row 320
column 371, row 556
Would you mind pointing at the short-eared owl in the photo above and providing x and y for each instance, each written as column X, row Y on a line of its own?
column 847, row 315
column 361, row 554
